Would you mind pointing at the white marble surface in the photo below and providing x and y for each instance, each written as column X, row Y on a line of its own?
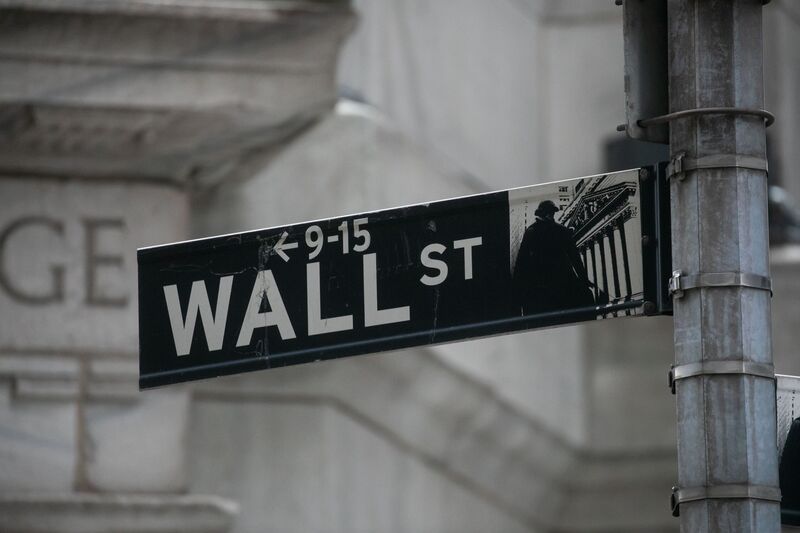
column 59, row 512
column 572, row 427
column 155, row 89
column 85, row 232
column 138, row 446
column 38, row 444
column 304, row 466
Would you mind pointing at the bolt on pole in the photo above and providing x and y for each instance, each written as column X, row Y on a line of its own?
column 727, row 452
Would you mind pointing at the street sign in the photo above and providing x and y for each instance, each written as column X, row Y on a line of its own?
column 545, row 255
column 788, row 408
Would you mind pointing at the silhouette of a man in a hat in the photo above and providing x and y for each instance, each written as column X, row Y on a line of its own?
column 549, row 274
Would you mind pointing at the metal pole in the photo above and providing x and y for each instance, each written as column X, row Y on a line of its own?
column 727, row 453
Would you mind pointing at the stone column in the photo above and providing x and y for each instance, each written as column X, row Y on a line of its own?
column 110, row 114
column 614, row 268
column 623, row 240
column 75, row 431
column 595, row 280
column 603, row 267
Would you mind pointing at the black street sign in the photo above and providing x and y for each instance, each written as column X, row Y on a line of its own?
column 545, row 255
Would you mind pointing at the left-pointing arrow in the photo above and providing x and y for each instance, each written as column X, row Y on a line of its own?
column 282, row 245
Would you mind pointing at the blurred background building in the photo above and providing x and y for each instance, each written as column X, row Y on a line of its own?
column 132, row 123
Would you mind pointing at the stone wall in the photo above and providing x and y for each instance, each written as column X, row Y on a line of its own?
column 154, row 121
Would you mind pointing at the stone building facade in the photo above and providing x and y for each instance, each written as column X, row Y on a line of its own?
column 126, row 124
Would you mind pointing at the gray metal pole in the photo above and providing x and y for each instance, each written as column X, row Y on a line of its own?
column 727, row 453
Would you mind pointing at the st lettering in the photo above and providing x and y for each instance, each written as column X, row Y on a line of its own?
column 431, row 259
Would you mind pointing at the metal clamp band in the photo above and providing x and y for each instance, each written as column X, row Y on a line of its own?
column 680, row 282
column 722, row 492
column 768, row 117
column 762, row 370
column 679, row 164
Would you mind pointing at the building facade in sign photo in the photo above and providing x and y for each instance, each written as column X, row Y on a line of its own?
column 601, row 215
